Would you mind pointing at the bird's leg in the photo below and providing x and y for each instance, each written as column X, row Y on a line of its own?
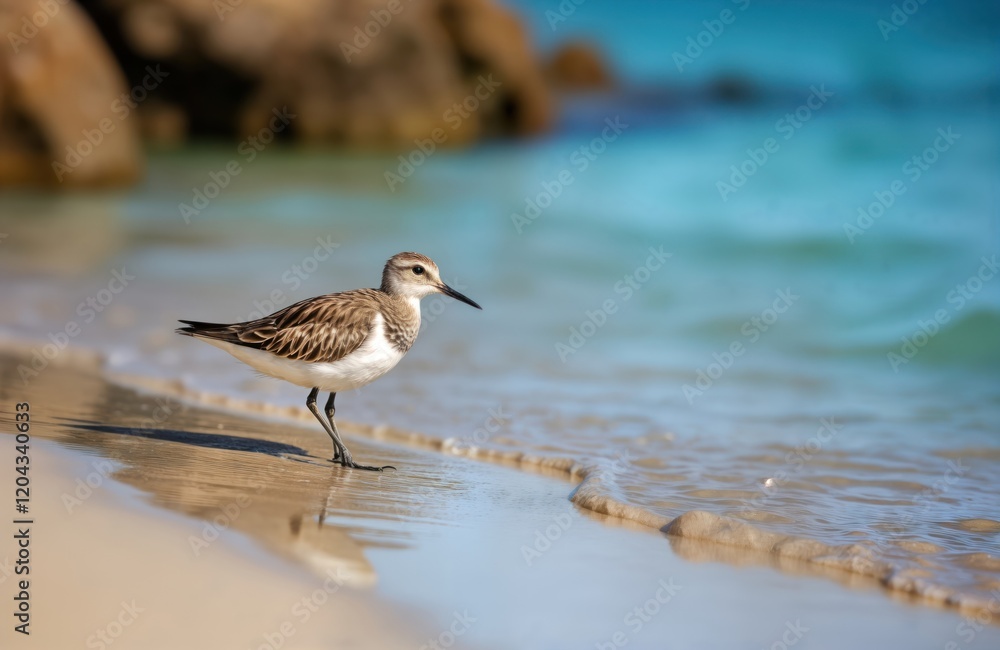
column 345, row 455
column 338, row 446
column 330, row 410
column 340, row 452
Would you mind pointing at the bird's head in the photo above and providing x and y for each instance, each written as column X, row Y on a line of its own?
column 412, row 275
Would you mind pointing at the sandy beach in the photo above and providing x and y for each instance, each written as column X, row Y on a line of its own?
column 159, row 523
column 699, row 307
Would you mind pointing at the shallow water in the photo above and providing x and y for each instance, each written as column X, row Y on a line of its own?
column 807, row 341
column 744, row 370
column 411, row 544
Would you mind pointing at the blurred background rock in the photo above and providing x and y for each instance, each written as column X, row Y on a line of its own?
column 355, row 73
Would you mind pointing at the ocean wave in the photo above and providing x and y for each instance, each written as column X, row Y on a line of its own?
column 969, row 339
column 599, row 491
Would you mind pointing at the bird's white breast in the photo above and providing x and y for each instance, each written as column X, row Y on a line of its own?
column 375, row 357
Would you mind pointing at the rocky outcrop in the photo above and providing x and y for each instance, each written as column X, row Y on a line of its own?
column 578, row 66
column 356, row 73
column 361, row 73
column 60, row 100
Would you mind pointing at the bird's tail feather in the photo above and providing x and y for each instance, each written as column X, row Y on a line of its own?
column 198, row 328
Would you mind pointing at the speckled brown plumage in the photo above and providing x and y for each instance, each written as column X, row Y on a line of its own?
column 325, row 328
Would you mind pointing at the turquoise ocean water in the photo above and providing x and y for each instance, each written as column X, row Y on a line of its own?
column 784, row 309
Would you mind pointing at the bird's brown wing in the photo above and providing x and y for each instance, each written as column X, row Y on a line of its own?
column 321, row 329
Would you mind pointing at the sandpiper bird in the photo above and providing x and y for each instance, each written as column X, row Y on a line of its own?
column 336, row 342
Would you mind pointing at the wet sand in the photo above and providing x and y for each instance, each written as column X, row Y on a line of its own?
column 218, row 526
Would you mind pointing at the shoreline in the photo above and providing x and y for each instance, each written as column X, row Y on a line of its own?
column 440, row 539
column 849, row 564
column 855, row 561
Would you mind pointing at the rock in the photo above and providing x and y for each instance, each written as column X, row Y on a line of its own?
column 360, row 73
column 578, row 66
column 164, row 125
column 59, row 88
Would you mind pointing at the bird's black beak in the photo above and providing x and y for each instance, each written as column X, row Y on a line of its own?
column 448, row 291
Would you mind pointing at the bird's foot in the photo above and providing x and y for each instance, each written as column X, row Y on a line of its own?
column 370, row 468
column 347, row 461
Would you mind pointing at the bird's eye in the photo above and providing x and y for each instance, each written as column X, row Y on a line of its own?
column 418, row 270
